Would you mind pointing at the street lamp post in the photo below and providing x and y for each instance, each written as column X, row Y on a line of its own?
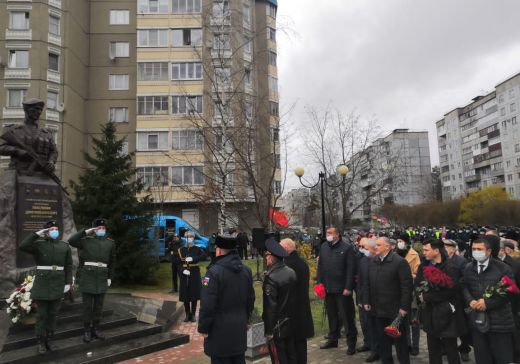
column 322, row 181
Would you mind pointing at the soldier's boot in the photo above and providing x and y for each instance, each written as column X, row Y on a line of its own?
column 48, row 341
column 42, row 348
column 95, row 333
column 86, row 335
column 193, row 312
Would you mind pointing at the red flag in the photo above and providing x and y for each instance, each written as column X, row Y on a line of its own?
column 279, row 217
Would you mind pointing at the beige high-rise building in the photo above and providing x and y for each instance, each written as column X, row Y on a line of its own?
column 192, row 85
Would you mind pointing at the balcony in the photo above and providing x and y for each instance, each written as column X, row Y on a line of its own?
column 17, row 73
column 55, row 3
column 446, row 184
column 52, row 115
column 13, row 113
column 18, row 34
column 473, row 178
column 53, row 76
column 54, row 39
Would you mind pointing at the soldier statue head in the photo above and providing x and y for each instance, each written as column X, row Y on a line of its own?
column 33, row 109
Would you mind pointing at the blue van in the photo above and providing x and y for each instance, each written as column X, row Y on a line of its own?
column 168, row 225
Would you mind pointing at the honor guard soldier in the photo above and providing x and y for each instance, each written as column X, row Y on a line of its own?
column 189, row 294
column 226, row 304
column 174, row 243
column 278, row 291
column 96, row 270
column 52, row 279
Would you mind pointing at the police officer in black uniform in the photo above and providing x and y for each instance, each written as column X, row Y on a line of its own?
column 226, row 304
column 174, row 244
column 278, row 304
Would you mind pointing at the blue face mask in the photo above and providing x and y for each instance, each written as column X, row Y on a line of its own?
column 101, row 233
column 53, row 234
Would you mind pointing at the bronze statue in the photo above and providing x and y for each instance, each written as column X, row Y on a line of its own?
column 31, row 148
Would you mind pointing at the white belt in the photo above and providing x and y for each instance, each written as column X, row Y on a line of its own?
column 49, row 267
column 96, row 264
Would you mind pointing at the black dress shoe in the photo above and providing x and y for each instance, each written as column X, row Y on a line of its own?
column 193, row 319
column 362, row 349
column 351, row 351
column 187, row 319
column 372, row 358
column 86, row 336
column 414, row 352
column 42, row 348
column 329, row 344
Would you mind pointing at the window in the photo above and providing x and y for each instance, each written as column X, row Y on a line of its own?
column 221, row 9
column 19, row 20
column 222, row 76
column 152, row 71
column 15, row 98
column 54, row 62
column 277, row 161
column 222, row 111
column 118, row 114
column 509, row 177
column 512, row 107
column 272, row 58
column 124, row 149
column 152, row 37
column 248, row 46
column 221, row 42
column 187, row 140
column 513, row 120
column 246, row 13
column 273, row 108
column 152, row 6
column 153, row 140
column 186, row 6
column 187, row 175
column 249, row 111
column 277, row 187
column 223, row 144
column 186, row 104
column 276, row 134
column 54, row 25
column 271, row 10
column 152, row 105
column 500, row 98
column 502, row 111
column 118, row 82
column 273, row 84
column 52, row 100
column 187, row 71
column 18, row 59
column 53, row 129
column 512, row 94
column 119, row 49
column 248, row 78
column 119, row 17
column 517, row 148
column 187, row 37
column 153, row 176
column 271, row 34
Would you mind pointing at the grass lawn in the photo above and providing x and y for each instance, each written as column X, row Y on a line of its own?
column 164, row 284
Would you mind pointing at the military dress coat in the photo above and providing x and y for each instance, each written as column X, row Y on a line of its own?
column 190, row 285
column 49, row 284
column 93, row 279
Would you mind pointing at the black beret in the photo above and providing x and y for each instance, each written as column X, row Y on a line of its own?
column 99, row 222
column 275, row 248
column 226, row 242
column 49, row 224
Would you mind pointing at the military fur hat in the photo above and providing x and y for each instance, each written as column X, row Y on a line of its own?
column 226, row 242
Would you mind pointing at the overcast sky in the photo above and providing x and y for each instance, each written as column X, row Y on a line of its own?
column 406, row 62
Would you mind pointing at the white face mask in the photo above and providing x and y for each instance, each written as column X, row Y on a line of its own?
column 479, row 255
column 190, row 240
column 365, row 252
column 330, row 238
column 401, row 245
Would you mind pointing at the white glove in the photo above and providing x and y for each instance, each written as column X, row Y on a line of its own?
column 186, row 272
column 41, row 233
column 109, row 282
column 66, row 288
column 189, row 259
column 90, row 231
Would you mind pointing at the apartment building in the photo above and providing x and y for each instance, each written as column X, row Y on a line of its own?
column 479, row 144
column 77, row 56
column 188, row 82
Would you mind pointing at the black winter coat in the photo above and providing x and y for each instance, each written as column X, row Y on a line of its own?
column 389, row 287
column 227, row 301
column 515, row 299
column 498, row 308
column 278, row 302
column 436, row 314
column 302, row 325
column 362, row 273
column 337, row 266
column 190, row 285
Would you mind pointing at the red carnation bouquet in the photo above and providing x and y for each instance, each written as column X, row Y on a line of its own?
column 501, row 288
column 393, row 329
column 319, row 290
column 434, row 278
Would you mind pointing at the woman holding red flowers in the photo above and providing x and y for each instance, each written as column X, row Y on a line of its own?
column 441, row 314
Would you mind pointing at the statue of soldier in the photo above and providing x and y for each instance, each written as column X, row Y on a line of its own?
column 32, row 149
column 96, row 271
column 52, row 279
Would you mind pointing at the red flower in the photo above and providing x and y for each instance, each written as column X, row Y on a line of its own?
column 437, row 277
column 510, row 285
column 393, row 332
column 17, row 289
column 319, row 290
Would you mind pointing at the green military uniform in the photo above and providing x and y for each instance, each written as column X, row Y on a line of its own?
column 97, row 258
column 53, row 271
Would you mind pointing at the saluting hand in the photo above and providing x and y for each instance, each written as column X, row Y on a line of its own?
column 90, row 231
column 42, row 233
column 66, row 288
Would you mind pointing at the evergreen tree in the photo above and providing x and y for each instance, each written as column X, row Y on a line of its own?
column 108, row 189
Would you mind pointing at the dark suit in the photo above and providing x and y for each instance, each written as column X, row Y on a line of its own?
column 302, row 325
column 515, row 303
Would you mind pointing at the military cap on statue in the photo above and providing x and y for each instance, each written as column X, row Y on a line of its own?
column 49, row 224
column 275, row 248
column 33, row 101
column 99, row 222
column 226, row 242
